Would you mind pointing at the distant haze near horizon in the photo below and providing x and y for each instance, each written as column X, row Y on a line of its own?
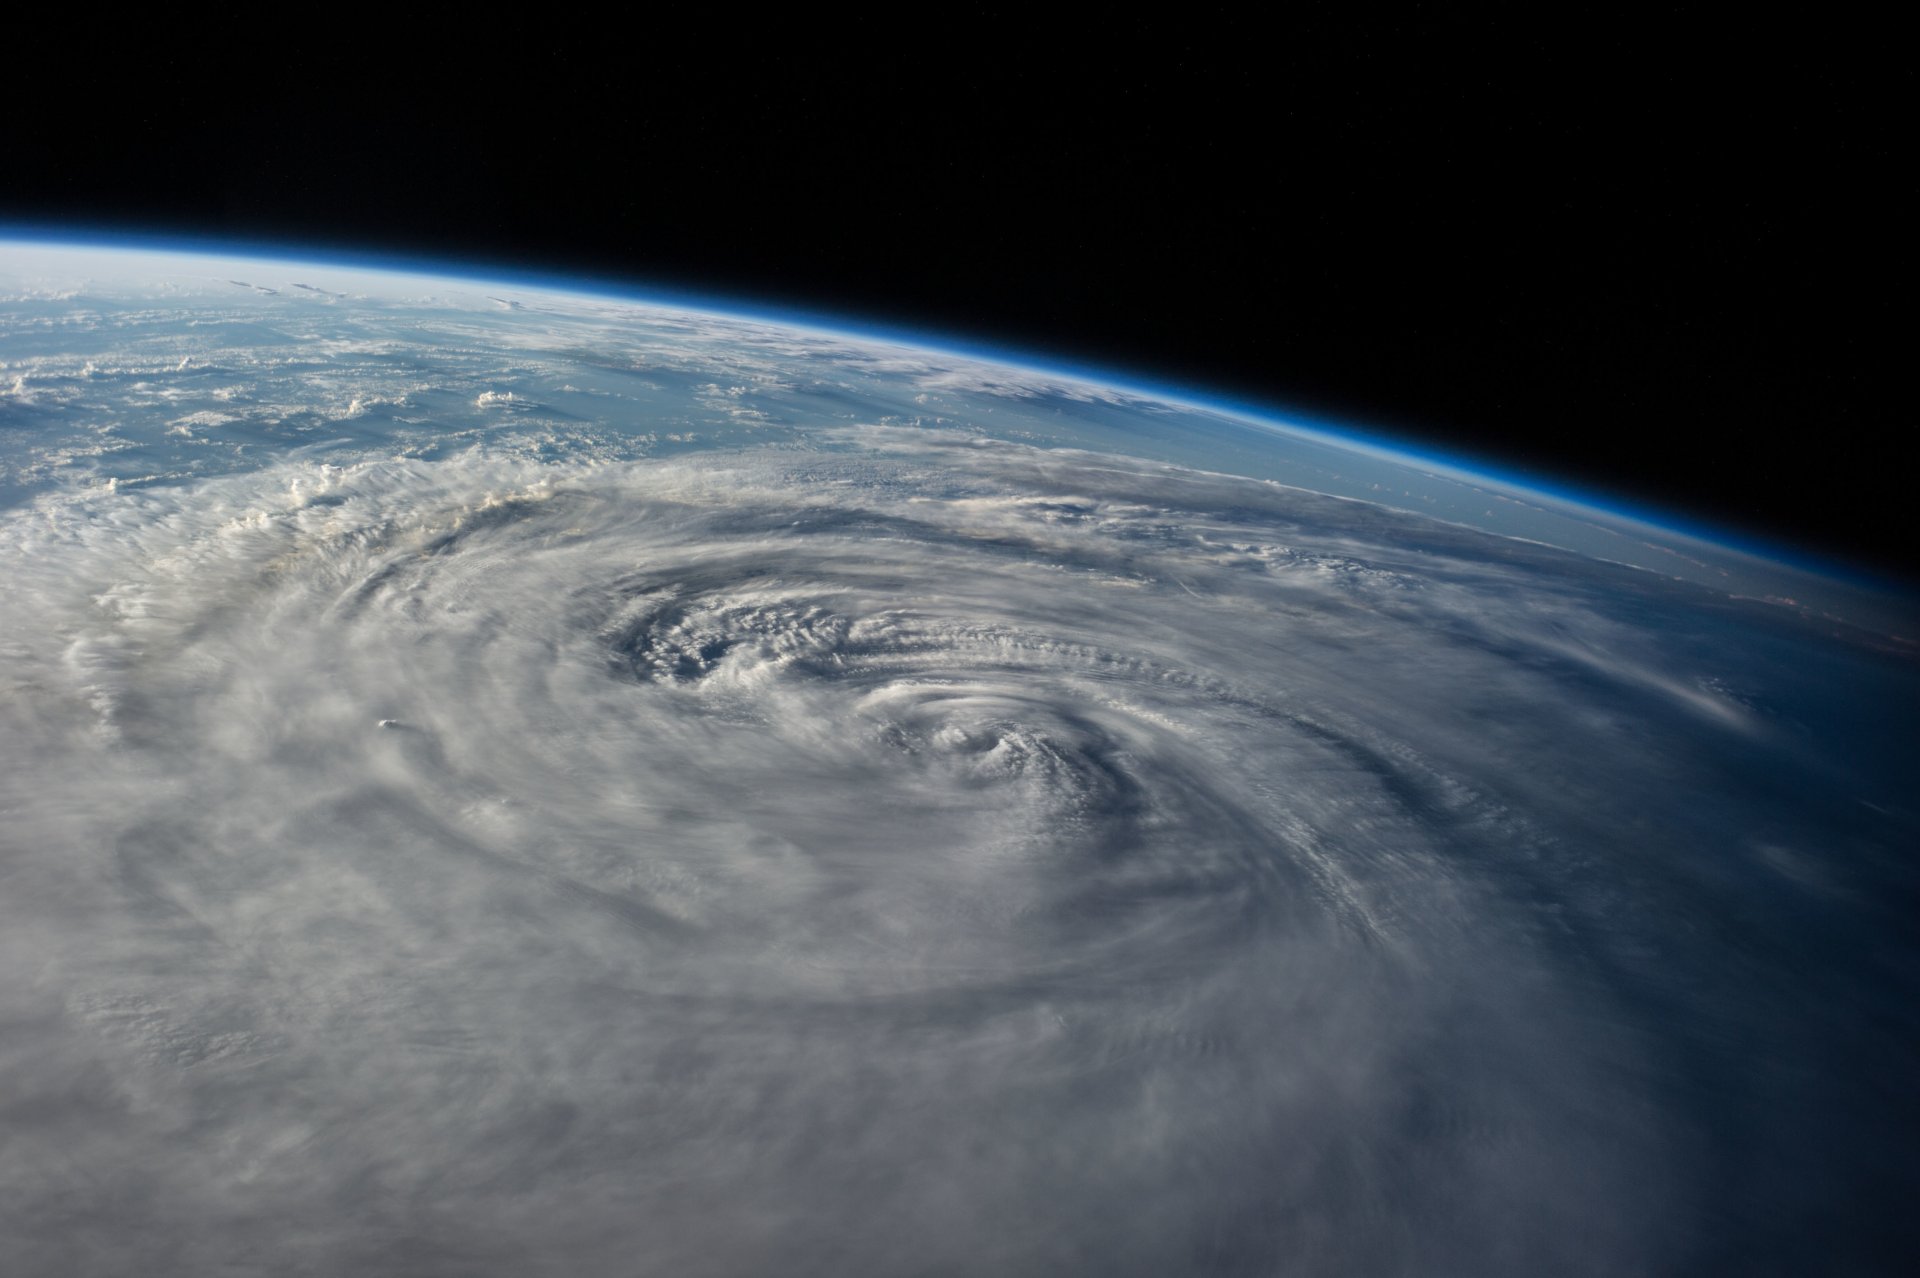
column 1650, row 255
column 1379, row 468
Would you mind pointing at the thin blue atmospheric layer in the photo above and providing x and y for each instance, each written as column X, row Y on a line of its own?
column 1562, row 513
column 1270, row 415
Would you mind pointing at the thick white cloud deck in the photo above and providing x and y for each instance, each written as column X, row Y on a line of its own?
column 538, row 785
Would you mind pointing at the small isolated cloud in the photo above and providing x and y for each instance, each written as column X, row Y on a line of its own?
column 184, row 427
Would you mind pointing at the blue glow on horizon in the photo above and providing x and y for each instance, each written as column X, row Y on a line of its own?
column 1262, row 414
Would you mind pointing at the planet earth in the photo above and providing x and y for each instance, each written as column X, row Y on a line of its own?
column 506, row 778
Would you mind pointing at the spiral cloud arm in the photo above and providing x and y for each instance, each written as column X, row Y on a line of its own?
column 882, row 846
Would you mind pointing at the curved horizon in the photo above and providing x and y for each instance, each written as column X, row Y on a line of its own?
column 1398, row 445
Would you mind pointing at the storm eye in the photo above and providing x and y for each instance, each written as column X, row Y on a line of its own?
column 668, row 653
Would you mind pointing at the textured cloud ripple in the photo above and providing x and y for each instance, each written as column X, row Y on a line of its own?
column 926, row 854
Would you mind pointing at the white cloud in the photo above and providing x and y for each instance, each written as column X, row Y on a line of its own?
column 753, row 747
column 441, row 834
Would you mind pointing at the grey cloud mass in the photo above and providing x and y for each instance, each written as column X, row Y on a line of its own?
column 860, row 836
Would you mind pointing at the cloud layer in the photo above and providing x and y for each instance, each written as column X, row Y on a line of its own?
column 502, row 782
column 931, row 856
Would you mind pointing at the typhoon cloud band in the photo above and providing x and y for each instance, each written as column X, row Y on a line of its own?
column 887, row 848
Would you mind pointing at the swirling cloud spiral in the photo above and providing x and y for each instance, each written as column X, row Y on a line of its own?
column 881, row 844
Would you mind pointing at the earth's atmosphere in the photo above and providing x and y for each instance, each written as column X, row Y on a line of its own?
column 507, row 781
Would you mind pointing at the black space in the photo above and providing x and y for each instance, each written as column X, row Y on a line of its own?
column 1659, row 257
